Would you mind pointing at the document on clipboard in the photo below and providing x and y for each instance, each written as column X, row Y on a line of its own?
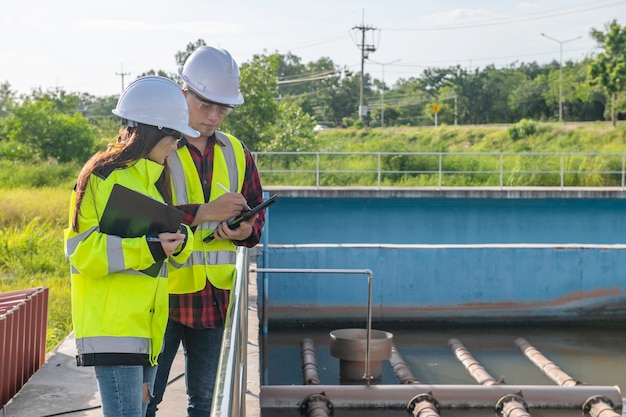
column 129, row 213
column 234, row 223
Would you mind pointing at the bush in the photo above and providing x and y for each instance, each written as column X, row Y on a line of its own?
column 523, row 129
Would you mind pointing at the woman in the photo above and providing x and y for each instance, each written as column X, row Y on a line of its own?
column 119, row 313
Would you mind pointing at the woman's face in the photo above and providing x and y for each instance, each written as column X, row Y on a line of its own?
column 163, row 148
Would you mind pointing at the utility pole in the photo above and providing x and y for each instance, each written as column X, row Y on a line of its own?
column 122, row 74
column 365, row 50
column 560, row 70
column 382, row 96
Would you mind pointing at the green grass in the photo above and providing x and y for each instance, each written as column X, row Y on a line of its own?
column 31, row 251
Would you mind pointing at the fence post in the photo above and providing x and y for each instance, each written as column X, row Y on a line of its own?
column 317, row 169
column 562, row 169
column 378, row 170
column 623, row 161
column 440, row 168
column 501, row 163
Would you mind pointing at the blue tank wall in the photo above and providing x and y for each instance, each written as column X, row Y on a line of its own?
column 432, row 220
column 469, row 258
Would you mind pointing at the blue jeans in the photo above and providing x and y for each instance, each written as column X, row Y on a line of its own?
column 121, row 389
column 202, row 352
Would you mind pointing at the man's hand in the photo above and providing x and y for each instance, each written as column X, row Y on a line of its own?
column 223, row 232
column 222, row 208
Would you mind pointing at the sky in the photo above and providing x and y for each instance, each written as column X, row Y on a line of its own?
column 98, row 47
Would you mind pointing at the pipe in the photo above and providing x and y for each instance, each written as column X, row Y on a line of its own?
column 592, row 406
column 509, row 405
column 512, row 405
column 400, row 368
column 474, row 368
column 453, row 396
column 309, row 362
column 316, row 405
column 598, row 405
column 547, row 366
column 423, row 405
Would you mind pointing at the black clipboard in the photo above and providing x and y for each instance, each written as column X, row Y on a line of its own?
column 234, row 223
column 129, row 213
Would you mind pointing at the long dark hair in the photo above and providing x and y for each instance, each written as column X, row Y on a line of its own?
column 132, row 144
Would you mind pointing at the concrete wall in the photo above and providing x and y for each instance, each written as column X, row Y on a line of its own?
column 497, row 255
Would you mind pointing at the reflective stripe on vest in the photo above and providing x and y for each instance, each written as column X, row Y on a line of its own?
column 124, row 344
column 115, row 254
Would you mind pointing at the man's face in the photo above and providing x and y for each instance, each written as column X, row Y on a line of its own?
column 204, row 116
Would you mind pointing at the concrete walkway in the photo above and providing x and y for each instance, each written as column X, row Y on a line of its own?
column 60, row 388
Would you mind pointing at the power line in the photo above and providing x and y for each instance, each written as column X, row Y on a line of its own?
column 314, row 77
column 509, row 20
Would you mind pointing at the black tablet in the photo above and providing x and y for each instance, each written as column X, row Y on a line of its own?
column 234, row 223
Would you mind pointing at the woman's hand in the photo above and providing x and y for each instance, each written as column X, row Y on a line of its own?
column 171, row 241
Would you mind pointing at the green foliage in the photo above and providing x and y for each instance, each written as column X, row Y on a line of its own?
column 523, row 129
column 609, row 67
column 252, row 122
column 37, row 174
column 50, row 133
column 293, row 132
column 31, row 256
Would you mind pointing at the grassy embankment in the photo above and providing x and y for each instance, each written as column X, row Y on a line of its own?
column 33, row 210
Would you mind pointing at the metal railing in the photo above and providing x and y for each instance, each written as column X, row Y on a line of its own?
column 230, row 382
column 23, row 324
column 443, row 169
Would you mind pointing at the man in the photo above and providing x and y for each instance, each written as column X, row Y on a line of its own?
column 215, row 178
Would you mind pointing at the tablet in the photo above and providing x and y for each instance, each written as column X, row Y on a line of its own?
column 234, row 223
column 129, row 213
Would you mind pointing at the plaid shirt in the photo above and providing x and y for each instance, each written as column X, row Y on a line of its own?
column 207, row 308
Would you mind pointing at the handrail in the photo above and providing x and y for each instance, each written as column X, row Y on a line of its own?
column 230, row 382
column 439, row 169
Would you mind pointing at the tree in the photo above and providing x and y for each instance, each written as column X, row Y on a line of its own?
column 7, row 99
column 609, row 67
column 293, row 131
column 251, row 122
column 49, row 133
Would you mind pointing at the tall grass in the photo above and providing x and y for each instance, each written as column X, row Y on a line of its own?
column 31, row 250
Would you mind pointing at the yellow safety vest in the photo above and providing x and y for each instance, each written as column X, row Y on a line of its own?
column 214, row 260
column 119, row 313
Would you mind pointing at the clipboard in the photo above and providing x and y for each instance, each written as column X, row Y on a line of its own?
column 234, row 223
column 129, row 213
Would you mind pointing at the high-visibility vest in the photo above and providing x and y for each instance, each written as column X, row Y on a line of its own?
column 119, row 314
column 214, row 260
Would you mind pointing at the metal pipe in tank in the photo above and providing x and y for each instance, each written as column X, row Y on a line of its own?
column 509, row 405
column 316, row 405
column 423, row 405
column 474, row 368
column 309, row 362
column 450, row 396
column 512, row 405
column 400, row 368
column 548, row 367
column 593, row 406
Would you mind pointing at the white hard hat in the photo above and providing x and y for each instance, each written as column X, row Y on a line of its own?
column 213, row 74
column 155, row 101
